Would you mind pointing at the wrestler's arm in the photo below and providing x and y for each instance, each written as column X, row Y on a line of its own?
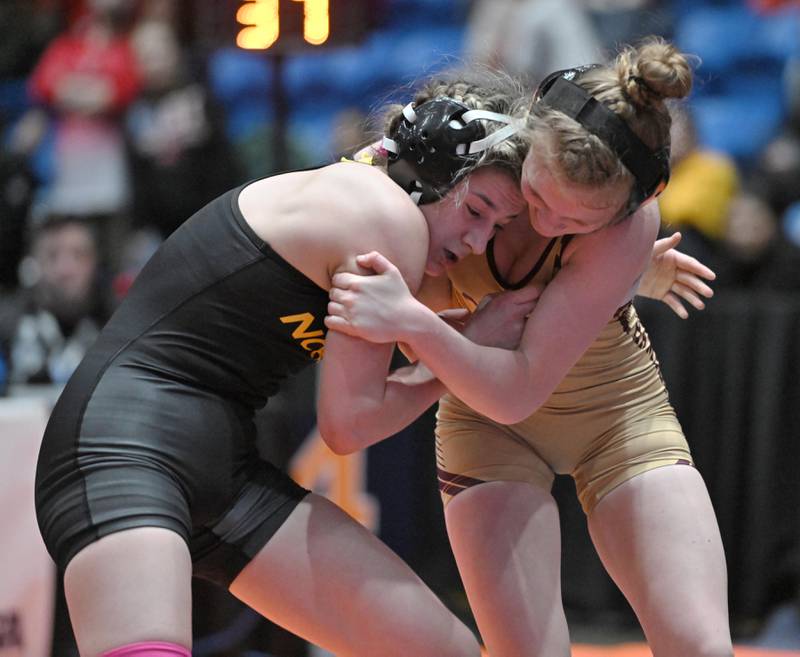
column 508, row 386
column 360, row 402
column 436, row 293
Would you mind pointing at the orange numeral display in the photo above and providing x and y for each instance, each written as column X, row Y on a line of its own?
column 262, row 23
column 316, row 21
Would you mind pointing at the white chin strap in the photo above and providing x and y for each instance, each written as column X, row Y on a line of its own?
column 513, row 126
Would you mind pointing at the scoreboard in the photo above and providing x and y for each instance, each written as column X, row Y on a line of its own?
column 284, row 26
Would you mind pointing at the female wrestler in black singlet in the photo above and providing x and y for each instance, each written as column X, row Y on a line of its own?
column 148, row 473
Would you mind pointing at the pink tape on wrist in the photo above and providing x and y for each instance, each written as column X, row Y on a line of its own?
column 149, row 649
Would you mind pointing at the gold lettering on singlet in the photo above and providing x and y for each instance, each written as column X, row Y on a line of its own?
column 312, row 341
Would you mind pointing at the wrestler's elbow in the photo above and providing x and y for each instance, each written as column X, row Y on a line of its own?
column 513, row 409
column 345, row 433
column 508, row 417
column 338, row 434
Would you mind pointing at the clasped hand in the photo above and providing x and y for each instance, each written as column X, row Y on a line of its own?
column 499, row 321
column 381, row 308
column 378, row 308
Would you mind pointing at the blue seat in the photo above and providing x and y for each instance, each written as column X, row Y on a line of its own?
column 761, row 82
column 717, row 35
column 726, row 37
column 790, row 222
column 417, row 13
column 336, row 72
column 740, row 125
column 14, row 99
column 777, row 36
column 313, row 133
column 367, row 75
column 234, row 74
column 681, row 8
column 242, row 82
column 419, row 53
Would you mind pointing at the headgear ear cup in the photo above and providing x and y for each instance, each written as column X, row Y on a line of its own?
column 437, row 143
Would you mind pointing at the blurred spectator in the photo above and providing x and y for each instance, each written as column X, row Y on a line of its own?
column 47, row 327
column 531, row 38
column 175, row 13
column 139, row 248
column 754, row 251
column 16, row 195
column 85, row 79
column 778, row 168
column 627, row 21
column 179, row 156
column 701, row 187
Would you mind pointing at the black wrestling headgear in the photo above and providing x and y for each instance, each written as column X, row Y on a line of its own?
column 650, row 168
column 436, row 144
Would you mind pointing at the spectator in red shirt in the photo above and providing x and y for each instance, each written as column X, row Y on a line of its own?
column 85, row 79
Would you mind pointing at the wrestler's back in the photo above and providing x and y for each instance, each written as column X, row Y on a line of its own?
column 344, row 209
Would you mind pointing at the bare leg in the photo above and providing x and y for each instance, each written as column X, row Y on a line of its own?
column 507, row 543
column 130, row 586
column 326, row 578
column 658, row 538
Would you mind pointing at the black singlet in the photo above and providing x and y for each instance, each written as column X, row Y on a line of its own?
column 156, row 425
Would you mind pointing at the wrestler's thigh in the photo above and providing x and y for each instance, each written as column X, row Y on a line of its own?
column 326, row 578
column 130, row 586
column 657, row 536
column 506, row 539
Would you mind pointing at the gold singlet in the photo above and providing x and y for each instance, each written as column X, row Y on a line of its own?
column 608, row 420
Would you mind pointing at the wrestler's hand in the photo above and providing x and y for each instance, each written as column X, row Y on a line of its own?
column 499, row 320
column 672, row 276
column 375, row 308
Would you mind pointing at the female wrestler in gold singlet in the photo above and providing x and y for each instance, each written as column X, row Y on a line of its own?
column 579, row 391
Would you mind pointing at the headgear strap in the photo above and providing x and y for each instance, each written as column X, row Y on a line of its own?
column 649, row 168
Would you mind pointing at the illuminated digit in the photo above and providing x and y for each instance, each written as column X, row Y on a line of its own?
column 262, row 21
column 316, row 21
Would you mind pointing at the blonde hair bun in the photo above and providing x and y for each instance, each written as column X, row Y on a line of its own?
column 653, row 71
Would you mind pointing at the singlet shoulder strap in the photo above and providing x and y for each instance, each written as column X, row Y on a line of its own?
column 565, row 240
column 525, row 279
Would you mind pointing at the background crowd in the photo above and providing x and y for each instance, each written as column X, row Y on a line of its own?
column 120, row 118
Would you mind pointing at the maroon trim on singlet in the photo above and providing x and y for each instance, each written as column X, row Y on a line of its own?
column 452, row 484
